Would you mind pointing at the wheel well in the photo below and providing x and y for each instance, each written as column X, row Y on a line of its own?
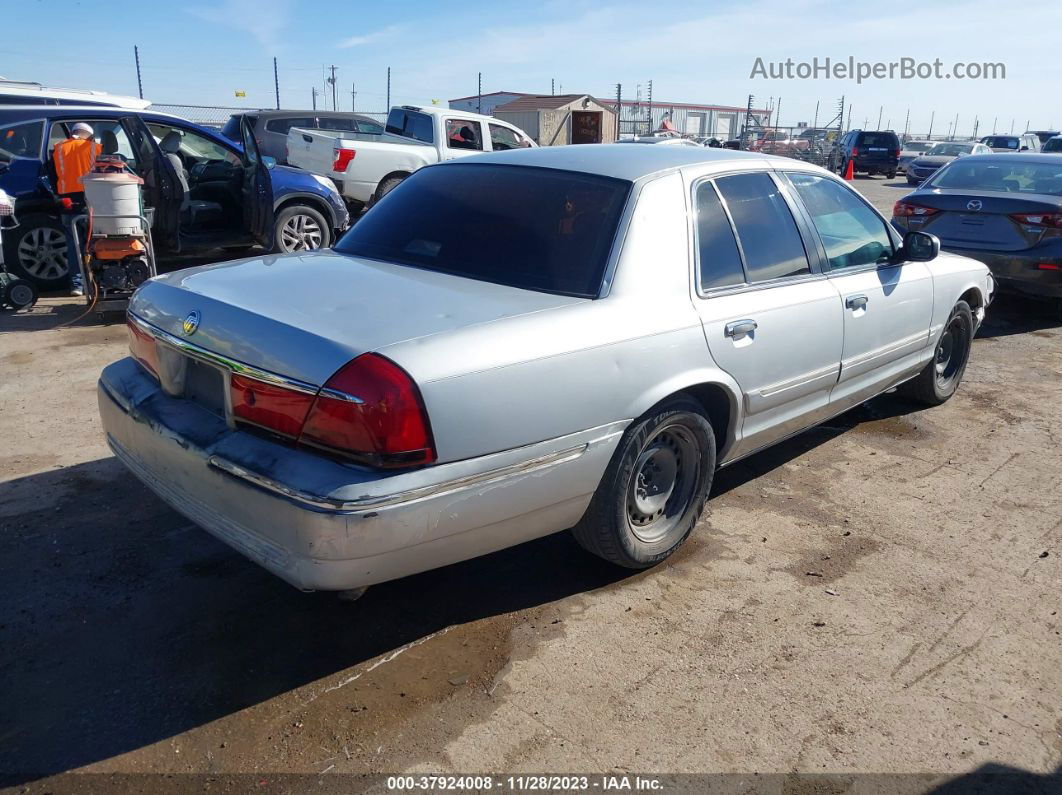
column 310, row 201
column 402, row 174
column 973, row 298
column 719, row 406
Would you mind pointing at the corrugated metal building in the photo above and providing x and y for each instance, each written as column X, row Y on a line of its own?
column 558, row 119
column 718, row 121
column 489, row 101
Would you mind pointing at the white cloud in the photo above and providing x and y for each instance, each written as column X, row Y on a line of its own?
column 370, row 38
column 262, row 19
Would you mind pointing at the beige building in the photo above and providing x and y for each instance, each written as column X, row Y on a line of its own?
column 555, row 120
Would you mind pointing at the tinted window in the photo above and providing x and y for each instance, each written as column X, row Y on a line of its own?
column 1000, row 142
column 718, row 263
column 536, row 229
column 879, row 140
column 1053, row 145
column 463, row 134
column 21, row 140
column 335, row 123
column 410, row 124
column 369, row 126
column 231, row 130
column 988, row 174
column 851, row 232
column 283, row 125
column 768, row 234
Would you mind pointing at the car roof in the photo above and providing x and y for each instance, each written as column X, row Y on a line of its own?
column 1018, row 157
column 621, row 161
column 305, row 112
column 31, row 112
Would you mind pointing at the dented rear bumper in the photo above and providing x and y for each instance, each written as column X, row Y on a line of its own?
column 325, row 525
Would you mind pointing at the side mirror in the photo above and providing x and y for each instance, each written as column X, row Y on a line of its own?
column 270, row 162
column 919, row 247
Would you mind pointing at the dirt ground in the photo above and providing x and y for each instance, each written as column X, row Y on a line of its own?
column 880, row 594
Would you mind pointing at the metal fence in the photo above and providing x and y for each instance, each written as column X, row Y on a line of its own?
column 216, row 115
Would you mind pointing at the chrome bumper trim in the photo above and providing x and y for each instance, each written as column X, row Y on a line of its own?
column 368, row 503
column 236, row 367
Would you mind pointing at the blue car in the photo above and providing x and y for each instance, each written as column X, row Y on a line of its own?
column 205, row 191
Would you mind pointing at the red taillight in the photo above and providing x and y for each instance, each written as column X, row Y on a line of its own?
column 142, row 346
column 269, row 406
column 907, row 210
column 1050, row 220
column 371, row 410
column 855, row 151
column 1048, row 266
column 896, row 152
column 342, row 158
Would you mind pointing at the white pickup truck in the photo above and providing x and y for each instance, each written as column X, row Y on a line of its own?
column 365, row 167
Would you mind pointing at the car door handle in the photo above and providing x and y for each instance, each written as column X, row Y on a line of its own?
column 740, row 328
column 856, row 301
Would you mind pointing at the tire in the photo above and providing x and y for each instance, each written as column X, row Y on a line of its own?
column 299, row 227
column 36, row 251
column 20, row 294
column 891, row 175
column 941, row 376
column 386, row 187
column 632, row 528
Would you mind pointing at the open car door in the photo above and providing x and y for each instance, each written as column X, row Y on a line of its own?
column 257, row 189
column 162, row 188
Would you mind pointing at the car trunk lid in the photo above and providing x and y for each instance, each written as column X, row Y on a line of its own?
column 979, row 220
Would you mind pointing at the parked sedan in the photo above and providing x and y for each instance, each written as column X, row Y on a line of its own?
column 524, row 342
column 1005, row 210
column 938, row 155
column 909, row 151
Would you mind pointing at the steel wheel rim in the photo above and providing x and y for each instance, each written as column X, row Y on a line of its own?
column 949, row 355
column 42, row 253
column 663, row 482
column 20, row 295
column 301, row 233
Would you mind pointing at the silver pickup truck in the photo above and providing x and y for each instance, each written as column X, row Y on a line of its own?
column 525, row 342
column 365, row 167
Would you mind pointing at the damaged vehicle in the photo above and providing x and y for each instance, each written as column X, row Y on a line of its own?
column 523, row 343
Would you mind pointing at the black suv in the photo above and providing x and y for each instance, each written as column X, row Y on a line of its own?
column 873, row 152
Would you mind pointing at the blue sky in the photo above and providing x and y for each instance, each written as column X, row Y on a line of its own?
column 202, row 51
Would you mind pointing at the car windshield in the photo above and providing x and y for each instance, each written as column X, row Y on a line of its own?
column 918, row 146
column 949, row 150
column 1000, row 142
column 532, row 228
column 969, row 174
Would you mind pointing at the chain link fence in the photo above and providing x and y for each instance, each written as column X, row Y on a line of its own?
column 216, row 115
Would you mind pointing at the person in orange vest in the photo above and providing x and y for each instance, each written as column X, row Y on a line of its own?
column 73, row 159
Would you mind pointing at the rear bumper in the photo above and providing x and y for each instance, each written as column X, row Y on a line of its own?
column 323, row 525
column 1019, row 274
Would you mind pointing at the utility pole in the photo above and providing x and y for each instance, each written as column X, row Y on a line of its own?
column 840, row 120
column 881, row 109
column 994, row 120
column 313, row 96
column 553, row 86
column 1012, row 126
column 332, row 80
column 907, row 124
column 1026, row 125
column 353, row 96
column 139, row 85
column 955, row 128
column 931, row 118
column 977, row 123
column 479, row 92
column 276, row 82
column 650, row 104
column 748, row 122
column 388, row 89
column 778, row 113
column 815, row 123
column 619, row 107
column 849, row 125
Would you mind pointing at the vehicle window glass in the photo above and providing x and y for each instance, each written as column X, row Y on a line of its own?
column 335, row 123
column 875, row 140
column 504, row 138
column 463, row 134
column 410, row 124
column 21, row 140
column 1000, row 142
column 369, row 126
column 1053, row 145
column 195, row 148
column 718, row 259
column 851, row 232
column 108, row 133
column 531, row 228
column 975, row 173
column 768, row 234
column 231, row 130
column 283, row 125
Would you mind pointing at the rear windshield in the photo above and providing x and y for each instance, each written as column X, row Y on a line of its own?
column 950, row 150
column 1000, row 142
column 879, row 139
column 533, row 228
column 410, row 124
column 917, row 146
column 968, row 173
column 231, row 130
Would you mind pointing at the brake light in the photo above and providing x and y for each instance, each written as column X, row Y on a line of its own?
column 896, row 152
column 855, row 151
column 904, row 209
column 1050, row 220
column 269, row 406
column 372, row 411
column 1048, row 266
column 342, row 158
column 142, row 346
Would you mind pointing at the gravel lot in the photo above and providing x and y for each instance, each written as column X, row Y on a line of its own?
column 879, row 594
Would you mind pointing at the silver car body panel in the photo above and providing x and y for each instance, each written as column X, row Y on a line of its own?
column 528, row 393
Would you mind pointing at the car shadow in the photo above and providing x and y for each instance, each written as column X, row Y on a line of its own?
column 1015, row 314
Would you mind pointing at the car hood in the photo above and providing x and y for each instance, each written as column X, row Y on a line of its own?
column 936, row 160
column 305, row 315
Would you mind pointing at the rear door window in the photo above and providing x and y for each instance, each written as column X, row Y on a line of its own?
column 463, row 134
column 533, row 228
column 718, row 258
column 21, row 140
column 766, row 230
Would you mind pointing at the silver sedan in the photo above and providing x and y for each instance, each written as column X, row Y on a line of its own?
column 522, row 343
